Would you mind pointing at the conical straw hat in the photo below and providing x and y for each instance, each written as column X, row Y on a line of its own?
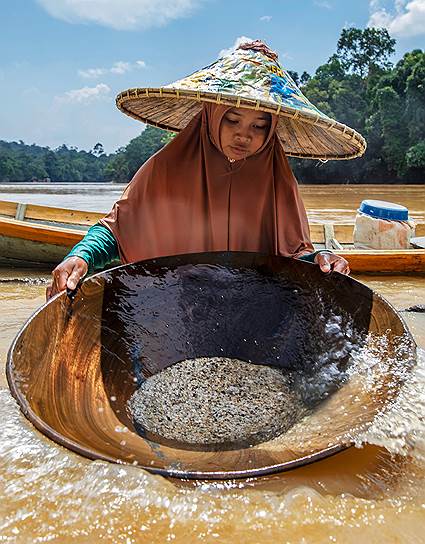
column 249, row 77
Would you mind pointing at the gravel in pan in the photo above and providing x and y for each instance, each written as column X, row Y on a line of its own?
column 216, row 400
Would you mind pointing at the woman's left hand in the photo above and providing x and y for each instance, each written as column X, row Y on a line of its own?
column 330, row 261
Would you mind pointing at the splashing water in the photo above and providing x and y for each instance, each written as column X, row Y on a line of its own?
column 53, row 494
column 401, row 429
column 374, row 492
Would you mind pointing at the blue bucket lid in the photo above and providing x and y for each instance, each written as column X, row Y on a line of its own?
column 384, row 210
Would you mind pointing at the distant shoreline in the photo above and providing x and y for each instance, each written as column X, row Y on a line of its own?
column 50, row 183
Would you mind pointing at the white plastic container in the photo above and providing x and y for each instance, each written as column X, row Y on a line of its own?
column 382, row 225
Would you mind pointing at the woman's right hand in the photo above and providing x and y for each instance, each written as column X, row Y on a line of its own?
column 67, row 275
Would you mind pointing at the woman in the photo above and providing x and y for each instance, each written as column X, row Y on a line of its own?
column 223, row 183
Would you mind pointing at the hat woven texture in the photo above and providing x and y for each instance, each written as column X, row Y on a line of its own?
column 249, row 77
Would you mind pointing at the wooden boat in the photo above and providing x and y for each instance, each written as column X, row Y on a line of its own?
column 32, row 235
column 73, row 384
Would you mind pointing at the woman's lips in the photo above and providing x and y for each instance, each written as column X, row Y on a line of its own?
column 239, row 150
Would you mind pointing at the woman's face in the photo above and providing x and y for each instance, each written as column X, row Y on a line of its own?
column 243, row 132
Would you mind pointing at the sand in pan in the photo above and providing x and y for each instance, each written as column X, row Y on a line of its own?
column 216, row 400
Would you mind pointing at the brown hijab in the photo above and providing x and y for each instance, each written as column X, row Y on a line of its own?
column 190, row 198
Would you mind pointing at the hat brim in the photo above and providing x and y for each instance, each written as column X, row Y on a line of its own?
column 303, row 134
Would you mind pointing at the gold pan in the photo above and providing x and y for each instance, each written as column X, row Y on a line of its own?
column 75, row 363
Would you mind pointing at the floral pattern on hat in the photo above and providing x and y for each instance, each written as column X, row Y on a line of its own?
column 251, row 74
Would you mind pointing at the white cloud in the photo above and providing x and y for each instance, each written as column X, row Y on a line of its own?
column 266, row 18
column 239, row 41
column 119, row 67
column 122, row 14
column 322, row 4
column 92, row 73
column 85, row 95
column 405, row 19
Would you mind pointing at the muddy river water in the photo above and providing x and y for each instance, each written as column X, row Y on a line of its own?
column 372, row 493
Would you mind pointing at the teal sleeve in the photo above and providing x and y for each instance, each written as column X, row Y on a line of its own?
column 309, row 257
column 98, row 248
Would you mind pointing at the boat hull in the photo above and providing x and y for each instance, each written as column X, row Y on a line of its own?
column 31, row 243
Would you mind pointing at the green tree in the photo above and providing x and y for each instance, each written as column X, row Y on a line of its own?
column 128, row 160
column 9, row 168
column 396, row 119
column 294, row 75
column 393, row 130
column 360, row 50
column 98, row 149
column 338, row 94
column 415, row 99
column 305, row 78
column 117, row 168
column 415, row 156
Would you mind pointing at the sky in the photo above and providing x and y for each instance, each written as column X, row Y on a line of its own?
column 62, row 62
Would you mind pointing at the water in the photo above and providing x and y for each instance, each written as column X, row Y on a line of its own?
column 330, row 202
column 96, row 197
column 339, row 203
column 374, row 493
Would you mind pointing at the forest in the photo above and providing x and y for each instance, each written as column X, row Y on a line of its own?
column 358, row 86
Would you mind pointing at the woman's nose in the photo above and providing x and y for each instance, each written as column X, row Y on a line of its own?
column 243, row 136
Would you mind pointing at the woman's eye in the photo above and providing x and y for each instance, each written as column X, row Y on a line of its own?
column 233, row 121
column 260, row 127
